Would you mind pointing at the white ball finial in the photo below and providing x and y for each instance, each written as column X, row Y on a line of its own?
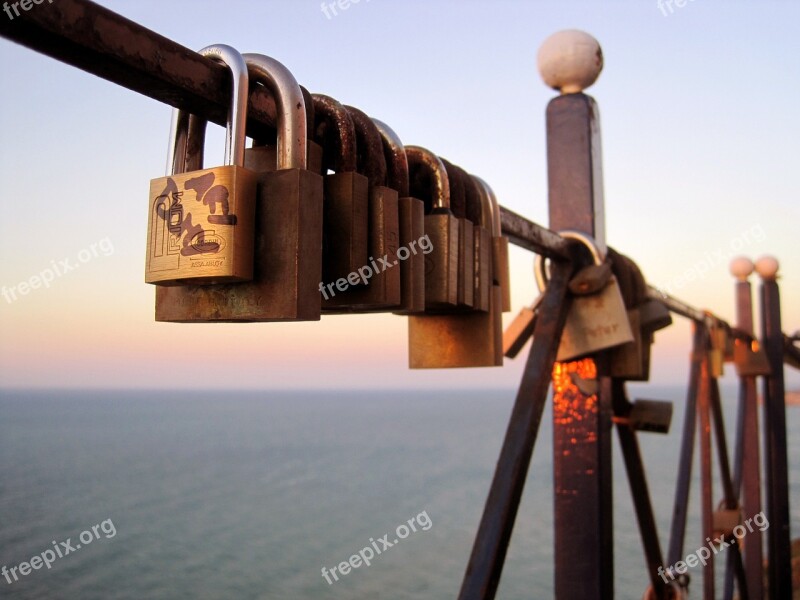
column 742, row 267
column 767, row 268
column 570, row 61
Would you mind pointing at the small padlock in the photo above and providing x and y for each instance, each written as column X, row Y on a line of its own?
column 374, row 286
column 346, row 200
column 750, row 359
column 413, row 244
column 200, row 226
column 466, row 241
column 654, row 315
column 428, row 181
column 288, row 240
column 467, row 339
column 595, row 322
column 502, row 275
column 482, row 236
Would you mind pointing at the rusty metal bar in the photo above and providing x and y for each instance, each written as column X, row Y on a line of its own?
column 706, row 482
column 582, row 467
column 532, row 236
column 637, row 480
column 734, row 559
column 683, row 483
column 103, row 43
column 776, row 464
column 491, row 542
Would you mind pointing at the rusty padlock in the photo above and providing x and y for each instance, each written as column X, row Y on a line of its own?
column 288, row 239
column 413, row 243
column 346, row 199
column 466, row 339
column 502, row 275
column 375, row 285
column 428, row 181
column 476, row 198
column 595, row 322
column 200, row 225
column 627, row 360
column 466, row 240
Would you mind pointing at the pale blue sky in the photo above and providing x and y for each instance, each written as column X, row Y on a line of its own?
column 700, row 140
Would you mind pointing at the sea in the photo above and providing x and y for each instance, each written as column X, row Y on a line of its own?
column 255, row 494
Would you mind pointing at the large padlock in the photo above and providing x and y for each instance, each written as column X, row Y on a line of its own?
column 466, row 240
column 375, row 285
column 413, row 244
column 465, row 339
column 200, row 225
column 288, row 225
column 482, row 236
column 346, row 203
column 502, row 275
column 428, row 181
column 595, row 322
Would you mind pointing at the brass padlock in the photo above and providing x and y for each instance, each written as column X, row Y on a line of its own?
column 413, row 244
column 288, row 223
column 374, row 286
column 482, row 236
column 750, row 359
column 466, row 339
column 200, row 225
column 466, row 241
column 595, row 322
column 346, row 200
column 502, row 275
column 428, row 181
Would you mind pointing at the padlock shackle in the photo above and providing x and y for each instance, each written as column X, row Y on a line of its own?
column 421, row 158
column 237, row 111
column 396, row 160
column 458, row 202
column 487, row 206
column 497, row 229
column 371, row 162
column 584, row 238
column 330, row 113
column 292, row 127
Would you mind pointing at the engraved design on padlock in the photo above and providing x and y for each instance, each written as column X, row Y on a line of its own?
column 200, row 226
column 595, row 322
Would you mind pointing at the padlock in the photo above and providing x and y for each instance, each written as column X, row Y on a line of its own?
column 375, row 285
column 466, row 241
column 627, row 360
column 428, row 181
column 654, row 315
column 750, row 359
column 200, row 225
column 288, row 222
column 475, row 196
column 650, row 415
column 725, row 520
column 346, row 200
column 502, row 275
column 594, row 322
column 413, row 245
column 466, row 339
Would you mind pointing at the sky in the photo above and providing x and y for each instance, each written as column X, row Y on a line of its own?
column 699, row 121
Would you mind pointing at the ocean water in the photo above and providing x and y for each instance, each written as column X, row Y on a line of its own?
column 250, row 494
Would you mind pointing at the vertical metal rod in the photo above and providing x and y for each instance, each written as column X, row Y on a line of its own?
column 684, row 480
column 734, row 557
column 491, row 542
column 584, row 560
column 750, row 480
column 637, row 479
column 706, row 494
column 777, row 480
